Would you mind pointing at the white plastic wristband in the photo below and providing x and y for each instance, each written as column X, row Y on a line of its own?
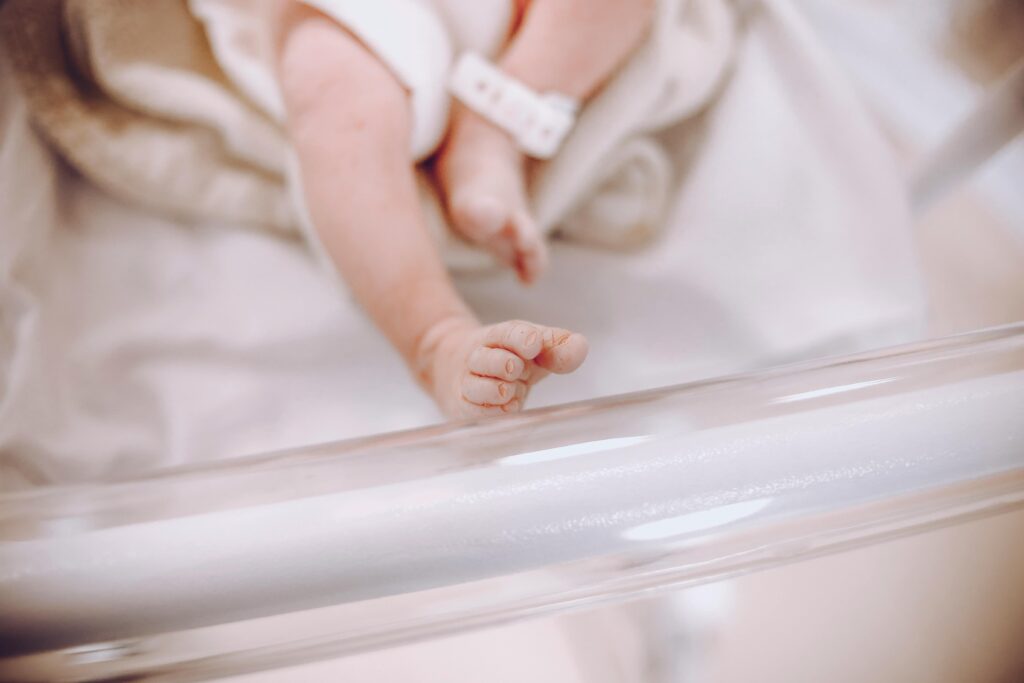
column 538, row 122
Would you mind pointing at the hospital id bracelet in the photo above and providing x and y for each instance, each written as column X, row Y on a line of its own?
column 538, row 122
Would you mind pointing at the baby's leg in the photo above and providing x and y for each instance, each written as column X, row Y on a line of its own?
column 566, row 46
column 350, row 122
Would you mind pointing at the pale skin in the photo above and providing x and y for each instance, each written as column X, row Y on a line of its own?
column 350, row 122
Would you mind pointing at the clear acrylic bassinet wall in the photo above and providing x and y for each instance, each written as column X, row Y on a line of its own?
column 262, row 561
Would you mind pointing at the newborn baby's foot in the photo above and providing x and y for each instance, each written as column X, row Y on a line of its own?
column 482, row 178
column 475, row 371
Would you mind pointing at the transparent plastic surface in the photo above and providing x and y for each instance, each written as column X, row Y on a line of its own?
column 286, row 557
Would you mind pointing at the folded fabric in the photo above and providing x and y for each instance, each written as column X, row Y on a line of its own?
column 174, row 105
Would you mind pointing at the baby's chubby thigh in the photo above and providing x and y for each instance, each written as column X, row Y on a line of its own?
column 324, row 67
column 409, row 40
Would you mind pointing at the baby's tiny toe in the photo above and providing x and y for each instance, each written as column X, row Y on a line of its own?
column 472, row 410
column 531, row 263
column 497, row 363
column 513, row 406
column 521, row 390
column 531, row 256
column 487, row 391
column 522, row 339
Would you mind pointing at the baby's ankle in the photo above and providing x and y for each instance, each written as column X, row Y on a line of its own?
column 426, row 350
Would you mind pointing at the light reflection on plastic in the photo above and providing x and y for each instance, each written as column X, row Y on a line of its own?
column 695, row 521
column 572, row 450
column 828, row 391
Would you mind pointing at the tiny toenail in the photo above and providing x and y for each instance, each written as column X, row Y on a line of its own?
column 510, row 367
column 502, row 390
column 531, row 338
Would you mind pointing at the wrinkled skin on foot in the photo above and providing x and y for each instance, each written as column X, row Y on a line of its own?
column 474, row 371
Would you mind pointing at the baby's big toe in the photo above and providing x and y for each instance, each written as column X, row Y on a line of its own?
column 521, row 338
column 563, row 351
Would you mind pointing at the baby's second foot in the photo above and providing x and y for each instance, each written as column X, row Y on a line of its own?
column 476, row 371
column 482, row 178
